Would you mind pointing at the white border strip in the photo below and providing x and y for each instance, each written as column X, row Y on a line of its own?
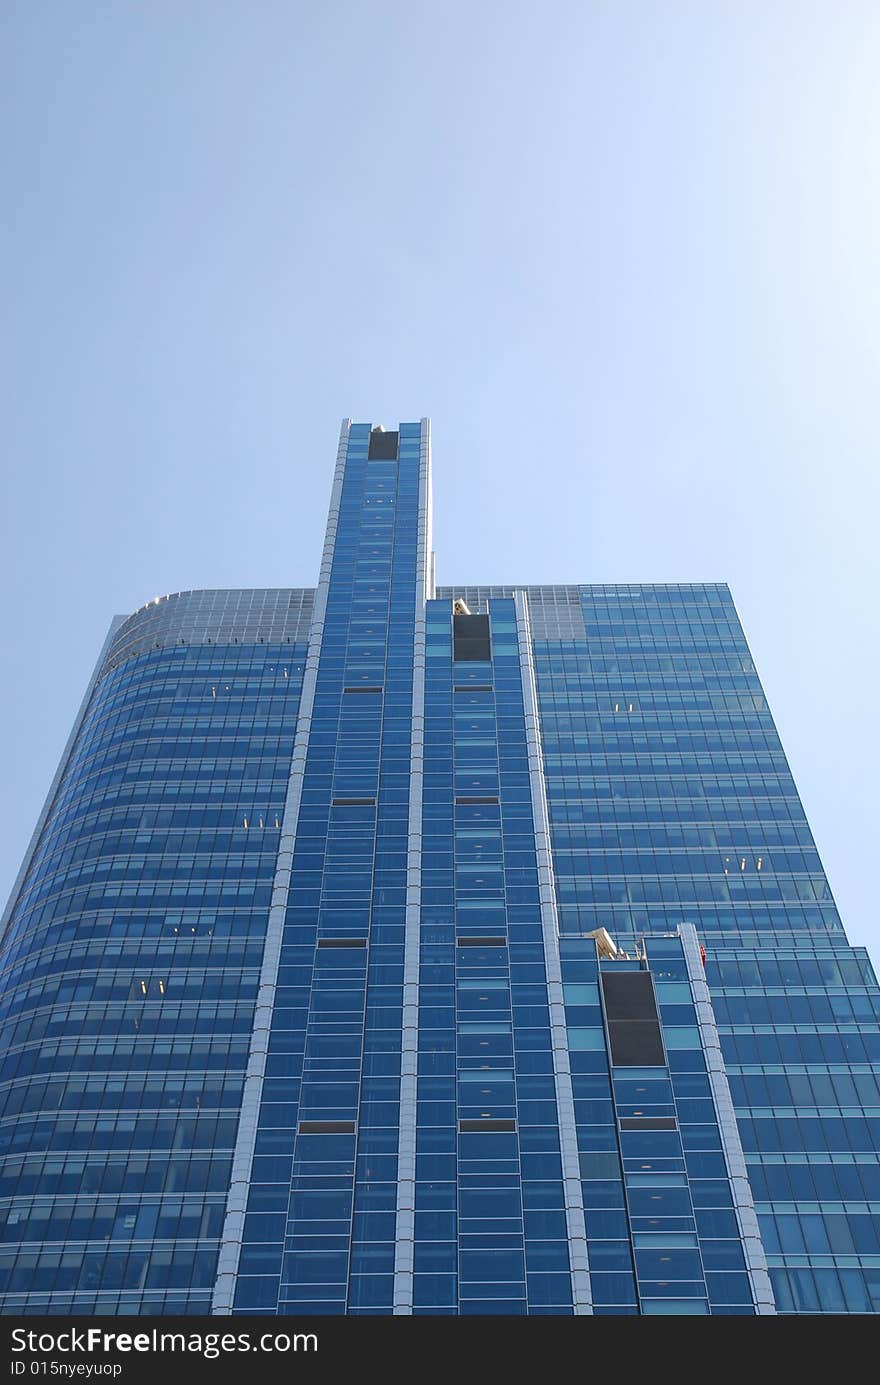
column 242, row 1162
column 406, row 1149
column 750, row 1232
column 582, row 1298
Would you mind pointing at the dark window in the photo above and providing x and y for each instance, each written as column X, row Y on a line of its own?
column 354, row 802
column 482, row 942
column 477, row 800
column 633, row 1022
column 364, row 688
column 326, row 1127
column 647, row 1123
column 470, row 638
column 472, row 687
column 629, row 995
column 636, row 1044
column 342, row 942
column 469, row 1127
column 383, row 446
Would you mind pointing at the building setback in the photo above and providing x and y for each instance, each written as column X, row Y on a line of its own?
column 391, row 949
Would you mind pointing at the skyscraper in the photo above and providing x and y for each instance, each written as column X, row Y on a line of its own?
column 384, row 949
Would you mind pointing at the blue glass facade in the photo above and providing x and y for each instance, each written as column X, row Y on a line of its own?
column 130, row 966
column 385, row 949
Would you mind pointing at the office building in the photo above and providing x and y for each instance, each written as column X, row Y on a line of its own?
column 393, row 948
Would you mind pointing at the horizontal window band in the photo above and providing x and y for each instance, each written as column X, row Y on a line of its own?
column 342, row 942
column 353, row 802
column 648, row 1123
column 485, row 1075
column 481, row 942
column 472, row 687
column 644, row 1070
column 477, row 800
column 481, row 1127
column 364, row 688
column 326, row 1127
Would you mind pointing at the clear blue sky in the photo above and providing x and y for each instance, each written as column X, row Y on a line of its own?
column 624, row 254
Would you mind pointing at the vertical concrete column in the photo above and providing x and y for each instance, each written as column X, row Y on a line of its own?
column 571, row 1175
column 753, row 1246
column 406, row 1149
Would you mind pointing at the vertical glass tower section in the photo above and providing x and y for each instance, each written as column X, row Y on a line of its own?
column 311, row 1224
column 131, row 959
column 385, row 949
